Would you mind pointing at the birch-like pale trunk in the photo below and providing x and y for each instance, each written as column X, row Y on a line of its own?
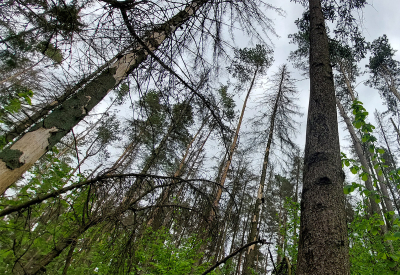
column 251, row 251
column 17, row 159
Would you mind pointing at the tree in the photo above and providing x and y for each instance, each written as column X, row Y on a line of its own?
column 283, row 108
column 47, row 133
column 385, row 71
column 323, row 243
column 247, row 65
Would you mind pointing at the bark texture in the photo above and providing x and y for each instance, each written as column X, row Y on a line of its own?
column 19, row 158
column 323, row 242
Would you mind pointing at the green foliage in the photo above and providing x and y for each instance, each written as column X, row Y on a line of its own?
column 156, row 253
column 228, row 103
column 11, row 103
column 51, row 51
column 122, row 91
column 368, row 244
column 247, row 61
column 292, row 230
column 28, row 232
column 384, row 71
column 370, row 251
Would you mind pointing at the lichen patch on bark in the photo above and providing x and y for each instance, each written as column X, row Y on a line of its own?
column 11, row 158
column 30, row 147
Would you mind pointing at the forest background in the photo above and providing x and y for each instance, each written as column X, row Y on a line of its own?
column 160, row 178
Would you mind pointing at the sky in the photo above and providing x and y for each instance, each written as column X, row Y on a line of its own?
column 377, row 18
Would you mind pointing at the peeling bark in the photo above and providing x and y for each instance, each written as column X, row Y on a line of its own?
column 31, row 147
column 75, row 108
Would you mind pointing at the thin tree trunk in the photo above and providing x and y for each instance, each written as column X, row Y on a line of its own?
column 363, row 159
column 232, row 147
column 391, row 159
column 323, row 242
column 241, row 252
column 123, row 207
column 155, row 220
column 14, row 161
column 68, row 260
column 382, row 185
column 355, row 139
column 251, row 252
column 397, row 130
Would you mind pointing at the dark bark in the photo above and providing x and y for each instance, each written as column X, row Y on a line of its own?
column 323, row 242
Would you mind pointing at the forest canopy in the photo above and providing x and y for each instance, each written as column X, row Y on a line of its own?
column 184, row 137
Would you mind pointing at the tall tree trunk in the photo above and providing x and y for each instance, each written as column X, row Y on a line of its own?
column 397, row 130
column 242, row 243
column 232, row 147
column 251, row 252
column 323, row 243
column 296, row 200
column 363, row 159
column 14, row 161
column 391, row 159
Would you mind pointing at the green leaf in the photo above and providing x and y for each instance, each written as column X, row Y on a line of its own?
column 354, row 169
column 382, row 256
column 374, row 231
column 380, row 173
column 357, row 124
column 381, row 151
column 364, row 176
column 347, row 162
column 348, row 189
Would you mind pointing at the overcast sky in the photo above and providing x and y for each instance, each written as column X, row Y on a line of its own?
column 378, row 18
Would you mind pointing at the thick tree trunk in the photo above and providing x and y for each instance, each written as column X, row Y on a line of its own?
column 323, row 243
column 251, row 252
column 15, row 160
column 232, row 147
